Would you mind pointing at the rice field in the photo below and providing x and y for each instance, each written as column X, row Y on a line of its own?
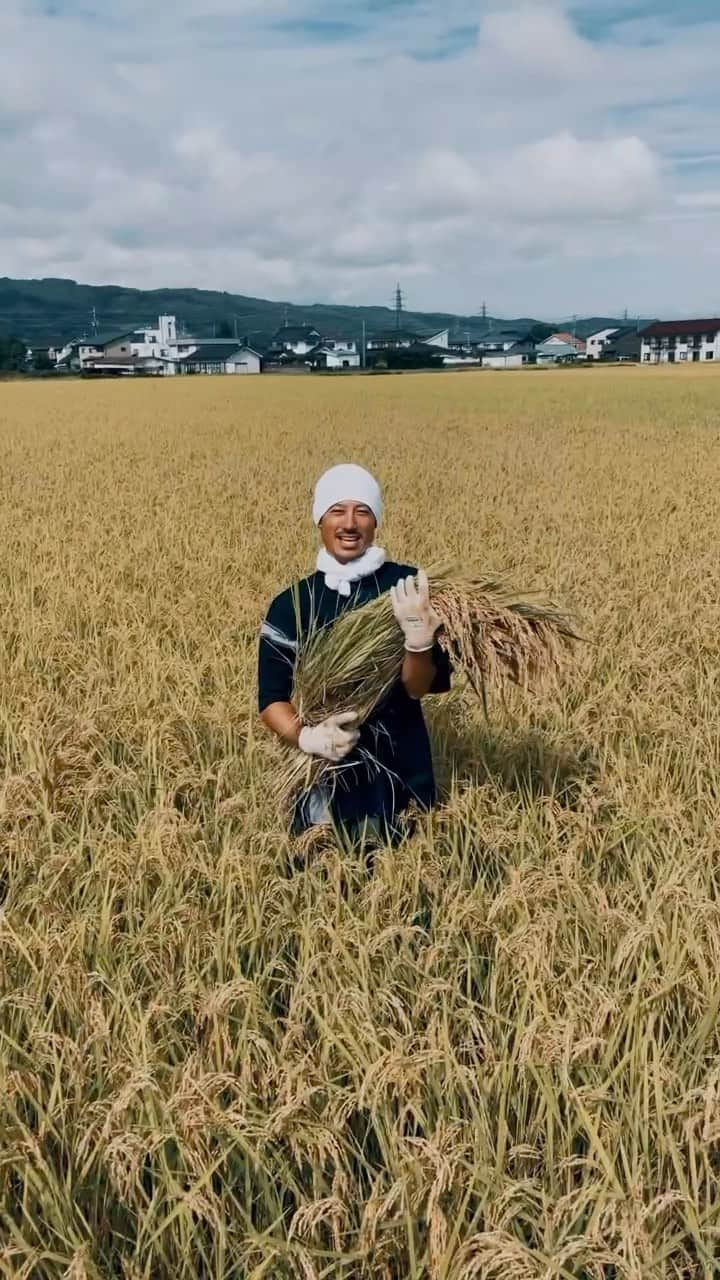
column 495, row 1053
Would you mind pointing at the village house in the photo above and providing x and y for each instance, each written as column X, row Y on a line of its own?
column 440, row 339
column 36, row 354
column 459, row 357
column 624, row 345
column 414, row 355
column 110, row 354
column 335, row 354
column 519, row 354
column 554, row 351
column 219, row 357
column 160, row 342
column 564, row 340
column 296, row 340
column 157, row 350
column 680, row 341
column 499, row 340
column 396, row 339
column 391, row 339
column 595, row 343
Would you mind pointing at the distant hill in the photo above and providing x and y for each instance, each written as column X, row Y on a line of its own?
column 53, row 310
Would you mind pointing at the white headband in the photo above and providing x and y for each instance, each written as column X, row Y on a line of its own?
column 347, row 483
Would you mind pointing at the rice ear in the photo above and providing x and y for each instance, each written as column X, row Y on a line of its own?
column 490, row 631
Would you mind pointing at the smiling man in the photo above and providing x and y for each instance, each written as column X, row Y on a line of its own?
column 387, row 764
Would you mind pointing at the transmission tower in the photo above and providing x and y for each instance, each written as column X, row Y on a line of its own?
column 398, row 307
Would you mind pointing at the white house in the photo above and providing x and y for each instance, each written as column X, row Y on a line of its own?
column 499, row 339
column 244, row 360
column 521, row 353
column 219, row 357
column 441, row 339
column 556, row 352
column 336, row 354
column 160, row 342
column 458, row 358
column 159, row 350
column 77, row 353
column 297, row 340
column 503, row 360
column 391, row 339
column 108, row 353
column 66, row 354
column 596, row 342
column 396, row 339
column 680, row 341
column 132, row 350
column 562, row 341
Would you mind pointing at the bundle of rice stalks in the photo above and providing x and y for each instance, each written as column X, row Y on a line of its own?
column 487, row 631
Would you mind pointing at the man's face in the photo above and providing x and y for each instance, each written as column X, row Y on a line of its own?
column 347, row 530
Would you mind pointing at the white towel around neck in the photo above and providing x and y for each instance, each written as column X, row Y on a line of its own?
column 340, row 577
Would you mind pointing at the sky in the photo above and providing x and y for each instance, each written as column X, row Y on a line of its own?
column 544, row 157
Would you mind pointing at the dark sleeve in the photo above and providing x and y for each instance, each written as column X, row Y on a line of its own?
column 276, row 653
column 443, row 671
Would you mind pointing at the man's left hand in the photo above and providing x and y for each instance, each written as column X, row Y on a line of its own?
column 414, row 612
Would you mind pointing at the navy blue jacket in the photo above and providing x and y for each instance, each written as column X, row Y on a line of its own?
column 395, row 734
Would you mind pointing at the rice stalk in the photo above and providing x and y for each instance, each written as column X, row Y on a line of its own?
column 489, row 631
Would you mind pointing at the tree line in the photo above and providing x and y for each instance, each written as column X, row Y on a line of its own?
column 13, row 354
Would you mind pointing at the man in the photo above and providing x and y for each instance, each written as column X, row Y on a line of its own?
column 387, row 764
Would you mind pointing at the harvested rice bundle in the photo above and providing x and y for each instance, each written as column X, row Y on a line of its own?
column 487, row 630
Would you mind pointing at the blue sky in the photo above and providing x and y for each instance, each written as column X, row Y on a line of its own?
column 543, row 156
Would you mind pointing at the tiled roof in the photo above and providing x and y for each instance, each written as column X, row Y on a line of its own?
column 570, row 338
column 681, row 328
column 213, row 353
column 296, row 333
column 104, row 339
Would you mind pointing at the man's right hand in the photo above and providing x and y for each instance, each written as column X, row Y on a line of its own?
column 333, row 739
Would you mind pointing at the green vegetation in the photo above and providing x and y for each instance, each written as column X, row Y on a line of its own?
column 54, row 310
column 12, row 355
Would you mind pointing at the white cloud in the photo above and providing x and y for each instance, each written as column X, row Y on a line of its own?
column 565, row 176
column 699, row 200
column 539, row 40
column 446, row 182
column 560, row 176
column 539, row 168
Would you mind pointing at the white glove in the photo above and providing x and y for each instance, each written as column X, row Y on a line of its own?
column 414, row 612
column 333, row 739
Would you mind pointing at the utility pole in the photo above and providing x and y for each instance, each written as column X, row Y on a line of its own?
column 364, row 346
column 94, row 321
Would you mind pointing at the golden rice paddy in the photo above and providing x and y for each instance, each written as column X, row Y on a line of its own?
column 495, row 1053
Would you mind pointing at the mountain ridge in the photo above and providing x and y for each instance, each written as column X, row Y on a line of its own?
column 55, row 309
